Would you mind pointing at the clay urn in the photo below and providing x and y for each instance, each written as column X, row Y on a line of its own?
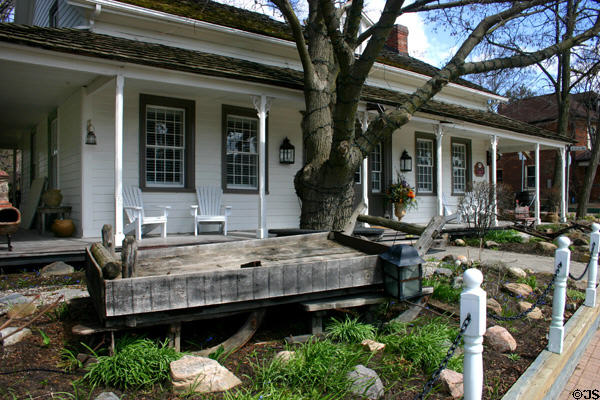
column 63, row 227
column 52, row 197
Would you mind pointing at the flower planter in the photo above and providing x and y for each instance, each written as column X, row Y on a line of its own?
column 63, row 227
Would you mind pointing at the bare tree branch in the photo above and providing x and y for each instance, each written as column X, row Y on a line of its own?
column 344, row 53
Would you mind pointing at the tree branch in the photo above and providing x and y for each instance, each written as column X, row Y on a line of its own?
column 344, row 53
column 353, row 17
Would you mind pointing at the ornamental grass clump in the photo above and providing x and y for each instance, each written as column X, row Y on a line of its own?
column 349, row 330
column 137, row 363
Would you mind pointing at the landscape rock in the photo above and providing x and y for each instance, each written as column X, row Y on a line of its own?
column 518, row 289
column 490, row 243
column 457, row 282
column 107, row 396
column 443, row 271
column 201, row 375
column 546, row 246
column 459, row 242
column 372, row 345
column 500, row 339
column 536, row 313
column 463, row 260
column 429, row 268
column 581, row 242
column 284, row 356
column 525, row 237
column 14, row 339
column 516, row 272
column 493, row 306
column 21, row 310
column 365, row 383
column 449, row 258
column 529, row 271
column 452, row 383
column 14, row 298
column 57, row 268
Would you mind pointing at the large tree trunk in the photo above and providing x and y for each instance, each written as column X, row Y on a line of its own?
column 590, row 175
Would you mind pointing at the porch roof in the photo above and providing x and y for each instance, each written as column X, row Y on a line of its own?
column 85, row 43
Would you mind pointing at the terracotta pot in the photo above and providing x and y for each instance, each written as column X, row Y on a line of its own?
column 52, row 197
column 63, row 227
column 399, row 210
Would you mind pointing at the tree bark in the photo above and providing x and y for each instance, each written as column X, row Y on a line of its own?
column 388, row 223
column 590, row 175
column 111, row 267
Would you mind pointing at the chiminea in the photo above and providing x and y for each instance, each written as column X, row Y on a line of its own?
column 10, row 217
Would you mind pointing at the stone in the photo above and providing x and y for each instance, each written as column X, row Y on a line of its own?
column 493, row 306
column 14, row 339
column 546, row 246
column 201, row 375
column 463, row 259
column 57, row 268
column 14, row 298
column 452, row 383
column 457, row 282
column 86, row 359
column 365, row 383
column 372, row 345
column 107, row 396
column 443, row 271
column 525, row 238
column 284, row 356
column 459, row 242
column 518, row 289
column 529, row 271
column 449, row 258
column 516, row 272
column 429, row 268
column 581, row 242
column 500, row 339
column 536, row 313
column 21, row 310
column 490, row 244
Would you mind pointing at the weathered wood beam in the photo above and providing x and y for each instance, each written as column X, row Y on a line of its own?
column 388, row 223
column 111, row 267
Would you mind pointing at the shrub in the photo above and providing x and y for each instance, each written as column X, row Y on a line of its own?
column 443, row 291
column 137, row 363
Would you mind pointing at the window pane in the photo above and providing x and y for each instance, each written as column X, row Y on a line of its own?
column 531, row 176
column 376, row 168
column 242, row 152
column 424, row 166
column 459, row 168
column 165, row 146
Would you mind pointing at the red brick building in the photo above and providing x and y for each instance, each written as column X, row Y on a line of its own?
column 518, row 169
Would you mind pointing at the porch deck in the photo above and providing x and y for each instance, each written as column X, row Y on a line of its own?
column 30, row 247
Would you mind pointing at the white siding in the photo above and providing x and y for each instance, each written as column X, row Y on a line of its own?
column 69, row 159
column 68, row 16
column 282, row 203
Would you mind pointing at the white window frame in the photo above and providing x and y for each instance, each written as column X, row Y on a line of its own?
column 423, row 170
column 249, row 150
column 376, row 164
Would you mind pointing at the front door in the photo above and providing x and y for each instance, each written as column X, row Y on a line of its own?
column 378, row 177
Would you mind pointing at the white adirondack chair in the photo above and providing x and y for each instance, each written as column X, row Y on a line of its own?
column 135, row 213
column 209, row 207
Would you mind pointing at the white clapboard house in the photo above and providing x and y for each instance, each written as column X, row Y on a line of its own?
column 174, row 93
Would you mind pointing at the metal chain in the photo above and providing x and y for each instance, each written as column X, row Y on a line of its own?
column 586, row 267
column 429, row 385
column 537, row 302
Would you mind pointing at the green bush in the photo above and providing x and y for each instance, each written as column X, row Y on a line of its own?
column 137, row 363
column 349, row 330
column 503, row 236
column 443, row 290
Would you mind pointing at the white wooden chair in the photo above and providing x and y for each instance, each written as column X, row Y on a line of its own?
column 135, row 213
column 209, row 207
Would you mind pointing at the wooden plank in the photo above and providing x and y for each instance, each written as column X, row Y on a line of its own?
column 260, row 283
column 290, row 280
column 342, row 302
column 195, row 290
column 333, row 275
column 160, row 293
column 365, row 246
column 245, row 284
column 305, row 278
column 275, row 281
column 122, row 297
column 142, row 296
column 95, row 284
column 432, row 231
column 388, row 223
column 228, row 281
column 212, row 289
column 178, row 292
column 319, row 277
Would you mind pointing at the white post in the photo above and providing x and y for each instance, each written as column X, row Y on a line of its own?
column 494, row 143
column 537, row 184
column 562, row 257
column 438, row 159
column 473, row 301
column 563, row 183
column 590, row 291
column 119, row 236
column 364, row 124
column 261, row 104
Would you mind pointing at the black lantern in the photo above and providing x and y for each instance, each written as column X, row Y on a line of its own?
column 287, row 152
column 405, row 162
column 90, row 138
column 402, row 272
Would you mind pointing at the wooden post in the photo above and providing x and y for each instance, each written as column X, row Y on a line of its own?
column 129, row 256
column 108, row 239
column 111, row 267
column 590, row 292
column 556, row 334
column 473, row 301
column 174, row 336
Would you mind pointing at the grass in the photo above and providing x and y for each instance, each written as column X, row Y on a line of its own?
column 513, row 357
column 575, row 295
column 137, row 363
column 530, row 280
column 349, row 330
column 443, row 290
column 498, row 236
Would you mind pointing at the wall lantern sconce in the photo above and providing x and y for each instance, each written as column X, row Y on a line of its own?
column 402, row 272
column 405, row 162
column 287, row 152
column 90, row 138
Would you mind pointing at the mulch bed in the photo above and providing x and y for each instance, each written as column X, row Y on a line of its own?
column 24, row 358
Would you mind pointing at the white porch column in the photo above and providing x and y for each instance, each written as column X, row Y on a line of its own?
column 364, row 124
column 537, row 184
column 262, row 105
column 494, row 143
column 563, row 200
column 120, row 82
column 438, row 166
